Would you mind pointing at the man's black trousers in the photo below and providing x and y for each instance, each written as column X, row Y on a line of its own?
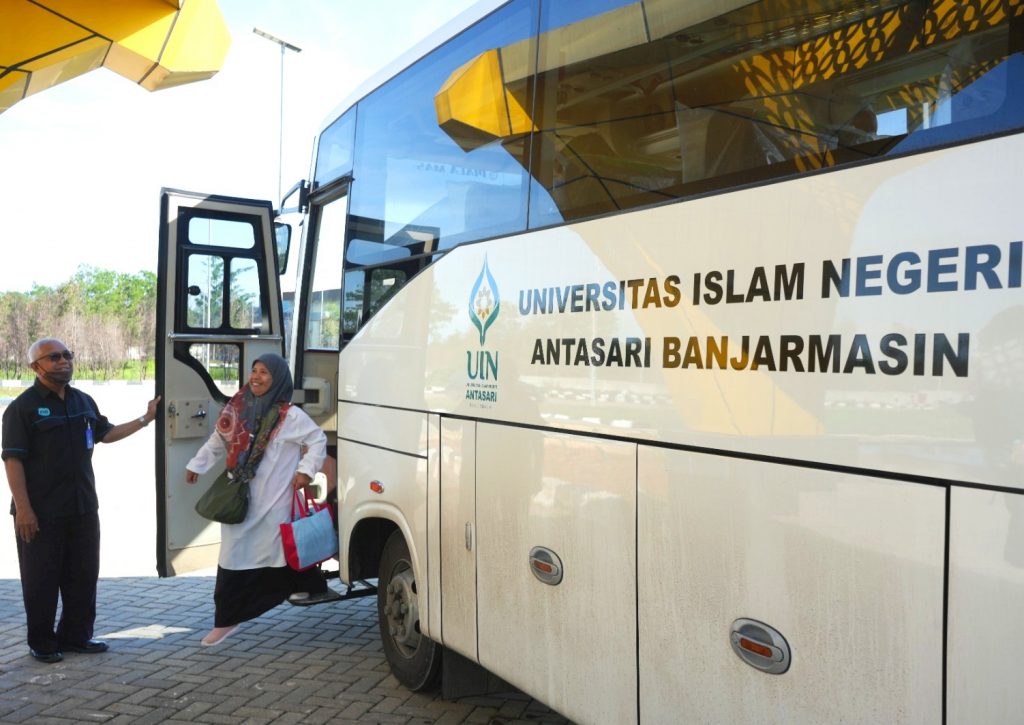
column 63, row 559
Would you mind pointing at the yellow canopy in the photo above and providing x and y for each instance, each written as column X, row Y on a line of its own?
column 155, row 43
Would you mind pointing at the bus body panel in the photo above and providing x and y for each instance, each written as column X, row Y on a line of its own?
column 378, row 483
column 881, row 379
column 931, row 421
column 573, row 643
column 458, row 536
column 398, row 430
column 848, row 569
column 986, row 597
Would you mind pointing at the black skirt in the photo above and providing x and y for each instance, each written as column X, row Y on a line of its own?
column 243, row 594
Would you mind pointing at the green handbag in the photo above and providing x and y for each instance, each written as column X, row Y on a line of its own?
column 226, row 501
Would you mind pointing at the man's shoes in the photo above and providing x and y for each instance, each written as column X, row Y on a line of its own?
column 89, row 647
column 47, row 657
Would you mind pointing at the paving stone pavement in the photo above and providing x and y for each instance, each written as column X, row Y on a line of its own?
column 319, row 664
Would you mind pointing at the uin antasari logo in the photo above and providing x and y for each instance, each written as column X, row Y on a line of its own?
column 484, row 302
column 482, row 364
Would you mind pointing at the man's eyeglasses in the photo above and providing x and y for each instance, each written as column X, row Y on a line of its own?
column 55, row 356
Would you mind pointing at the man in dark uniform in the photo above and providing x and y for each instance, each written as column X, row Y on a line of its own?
column 48, row 436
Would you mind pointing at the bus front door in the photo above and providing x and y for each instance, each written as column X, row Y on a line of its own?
column 218, row 309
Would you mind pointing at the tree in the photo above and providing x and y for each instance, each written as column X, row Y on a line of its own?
column 108, row 319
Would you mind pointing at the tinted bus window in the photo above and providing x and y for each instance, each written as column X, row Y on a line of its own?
column 323, row 313
column 640, row 105
column 334, row 154
column 420, row 163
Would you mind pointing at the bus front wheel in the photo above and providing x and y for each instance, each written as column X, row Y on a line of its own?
column 414, row 658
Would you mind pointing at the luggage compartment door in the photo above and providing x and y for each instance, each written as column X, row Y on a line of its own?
column 848, row 569
column 556, row 553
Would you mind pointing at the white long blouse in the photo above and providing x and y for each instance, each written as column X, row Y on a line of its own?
column 256, row 541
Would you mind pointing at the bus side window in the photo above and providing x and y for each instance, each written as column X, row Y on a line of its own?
column 352, row 316
column 384, row 283
column 615, row 118
column 366, row 291
column 323, row 323
column 324, row 307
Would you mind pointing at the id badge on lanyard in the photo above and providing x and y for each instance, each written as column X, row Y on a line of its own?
column 88, row 435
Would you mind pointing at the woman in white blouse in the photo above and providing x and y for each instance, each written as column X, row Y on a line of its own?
column 263, row 436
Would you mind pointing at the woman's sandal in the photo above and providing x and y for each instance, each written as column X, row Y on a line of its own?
column 217, row 635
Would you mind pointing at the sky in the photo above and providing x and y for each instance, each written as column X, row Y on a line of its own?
column 82, row 163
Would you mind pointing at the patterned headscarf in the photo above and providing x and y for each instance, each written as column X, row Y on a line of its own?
column 240, row 419
column 280, row 390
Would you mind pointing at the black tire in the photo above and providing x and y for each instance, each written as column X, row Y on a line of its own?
column 414, row 658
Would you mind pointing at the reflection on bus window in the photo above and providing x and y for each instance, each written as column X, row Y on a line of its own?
column 222, row 362
column 366, row 291
column 383, row 285
column 412, row 175
column 634, row 109
column 244, row 295
column 354, row 284
column 370, row 242
column 287, row 312
column 323, row 316
column 323, row 325
column 334, row 157
column 232, row 233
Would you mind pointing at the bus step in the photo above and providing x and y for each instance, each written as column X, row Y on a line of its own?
column 365, row 589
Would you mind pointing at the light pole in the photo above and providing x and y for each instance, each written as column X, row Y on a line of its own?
column 280, row 122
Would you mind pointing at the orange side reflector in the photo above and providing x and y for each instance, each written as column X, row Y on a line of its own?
column 376, row 486
column 758, row 649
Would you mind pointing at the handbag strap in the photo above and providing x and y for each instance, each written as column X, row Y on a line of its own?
column 298, row 500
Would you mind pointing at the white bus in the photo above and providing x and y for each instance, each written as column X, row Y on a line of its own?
column 672, row 355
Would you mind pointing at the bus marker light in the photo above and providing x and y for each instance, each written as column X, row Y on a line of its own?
column 760, row 646
column 758, row 649
column 376, row 486
column 545, row 565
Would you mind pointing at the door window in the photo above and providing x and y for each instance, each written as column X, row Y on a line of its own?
column 205, row 291
column 244, row 296
column 222, row 362
column 216, row 232
column 210, row 286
